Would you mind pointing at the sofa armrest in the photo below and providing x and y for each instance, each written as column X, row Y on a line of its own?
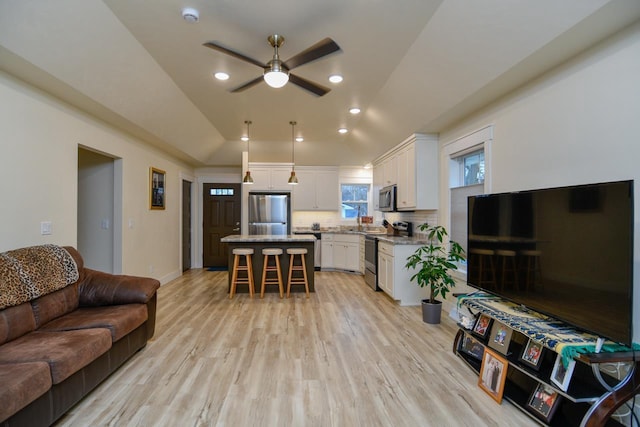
column 98, row 288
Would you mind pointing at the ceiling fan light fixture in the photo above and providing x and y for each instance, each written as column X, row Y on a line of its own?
column 190, row 15
column 276, row 79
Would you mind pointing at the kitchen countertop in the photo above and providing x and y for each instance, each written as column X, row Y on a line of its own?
column 245, row 238
column 382, row 237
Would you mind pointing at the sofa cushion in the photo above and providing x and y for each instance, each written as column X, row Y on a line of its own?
column 55, row 304
column 22, row 383
column 16, row 321
column 119, row 319
column 66, row 352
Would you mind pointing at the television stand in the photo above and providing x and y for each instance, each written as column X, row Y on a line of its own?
column 565, row 367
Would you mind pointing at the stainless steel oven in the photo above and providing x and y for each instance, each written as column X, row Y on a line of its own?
column 371, row 261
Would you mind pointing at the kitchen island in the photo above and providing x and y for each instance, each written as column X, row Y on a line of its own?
column 284, row 242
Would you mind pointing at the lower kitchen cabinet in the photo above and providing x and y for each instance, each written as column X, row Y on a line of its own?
column 342, row 252
column 394, row 278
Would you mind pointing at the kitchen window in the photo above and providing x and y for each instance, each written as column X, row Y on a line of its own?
column 354, row 200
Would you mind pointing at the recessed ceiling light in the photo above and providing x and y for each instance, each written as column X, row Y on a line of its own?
column 343, row 130
column 244, row 138
column 221, row 76
column 299, row 139
column 335, row 78
column 190, row 15
column 354, row 110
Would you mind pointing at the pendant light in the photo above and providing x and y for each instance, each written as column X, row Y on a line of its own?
column 247, row 178
column 293, row 180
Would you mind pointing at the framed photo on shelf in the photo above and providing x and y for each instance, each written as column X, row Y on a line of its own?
column 482, row 327
column 500, row 337
column 156, row 188
column 543, row 402
column 471, row 346
column 532, row 354
column 561, row 375
column 493, row 374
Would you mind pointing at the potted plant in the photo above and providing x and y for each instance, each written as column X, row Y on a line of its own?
column 435, row 263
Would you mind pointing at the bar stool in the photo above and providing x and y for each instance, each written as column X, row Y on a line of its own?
column 248, row 267
column 486, row 269
column 292, row 252
column 266, row 268
column 507, row 263
column 531, row 266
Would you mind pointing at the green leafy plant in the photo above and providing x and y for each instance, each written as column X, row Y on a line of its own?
column 434, row 262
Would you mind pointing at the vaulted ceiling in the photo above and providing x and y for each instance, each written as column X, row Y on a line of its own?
column 409, row 65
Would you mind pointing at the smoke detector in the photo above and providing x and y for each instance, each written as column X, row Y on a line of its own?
column 190, row 15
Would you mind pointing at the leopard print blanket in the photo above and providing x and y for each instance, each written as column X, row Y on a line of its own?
column 29, row 273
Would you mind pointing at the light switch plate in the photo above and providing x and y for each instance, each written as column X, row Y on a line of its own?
column 45, row 228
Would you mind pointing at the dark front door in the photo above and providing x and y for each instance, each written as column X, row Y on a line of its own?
column 221, row 211
column 186, row 225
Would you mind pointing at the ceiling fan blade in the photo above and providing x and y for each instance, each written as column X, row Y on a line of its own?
column 247, row 85
column 308, row 85
column 322, row 48
column 219, row 48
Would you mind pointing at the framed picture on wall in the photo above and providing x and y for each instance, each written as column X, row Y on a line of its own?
column 156, row 188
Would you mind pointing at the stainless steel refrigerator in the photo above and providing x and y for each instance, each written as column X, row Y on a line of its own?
column 270, row 213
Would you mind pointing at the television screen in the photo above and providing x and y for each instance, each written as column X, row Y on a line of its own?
column 566, row 252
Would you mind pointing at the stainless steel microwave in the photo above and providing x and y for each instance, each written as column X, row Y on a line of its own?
column 387, row 199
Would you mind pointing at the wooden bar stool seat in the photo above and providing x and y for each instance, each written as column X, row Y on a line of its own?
column 266, row 269
column 508, row 268
column 486, row 273
column 237, row 267
column 302, row 267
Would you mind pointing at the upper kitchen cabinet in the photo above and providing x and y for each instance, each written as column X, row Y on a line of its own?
column 270, row 178
column 317, row 189
column 415, row 162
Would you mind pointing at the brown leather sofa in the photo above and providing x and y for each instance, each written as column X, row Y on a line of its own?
column 56, row 348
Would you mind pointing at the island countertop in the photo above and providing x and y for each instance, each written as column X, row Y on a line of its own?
column 246, row 238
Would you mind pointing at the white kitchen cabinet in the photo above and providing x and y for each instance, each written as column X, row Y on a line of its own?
column 390, row 171
column 394, row 278
column 270, row 178
column 385, row 268
column 418, row 181
column 317, row 189
column 326, row 254
column 342, row 252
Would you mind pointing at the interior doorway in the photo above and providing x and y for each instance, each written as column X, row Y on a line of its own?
column 98, row 220
column 186, row 225
column 221, row 216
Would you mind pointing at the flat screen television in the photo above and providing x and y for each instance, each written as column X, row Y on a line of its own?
column 581, row 238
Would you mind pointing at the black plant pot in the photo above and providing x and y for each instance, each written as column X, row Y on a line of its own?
column 431, row 311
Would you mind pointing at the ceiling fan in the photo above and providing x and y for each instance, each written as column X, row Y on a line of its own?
column 276, row 72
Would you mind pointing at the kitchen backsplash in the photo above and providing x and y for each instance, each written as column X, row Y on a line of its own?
column 332, row 219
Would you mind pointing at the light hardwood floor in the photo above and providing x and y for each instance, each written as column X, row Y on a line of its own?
column 347, row 356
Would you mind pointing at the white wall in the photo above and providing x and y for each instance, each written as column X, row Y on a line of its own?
column 578, row 124
column 39, row 139
column 95, row 210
